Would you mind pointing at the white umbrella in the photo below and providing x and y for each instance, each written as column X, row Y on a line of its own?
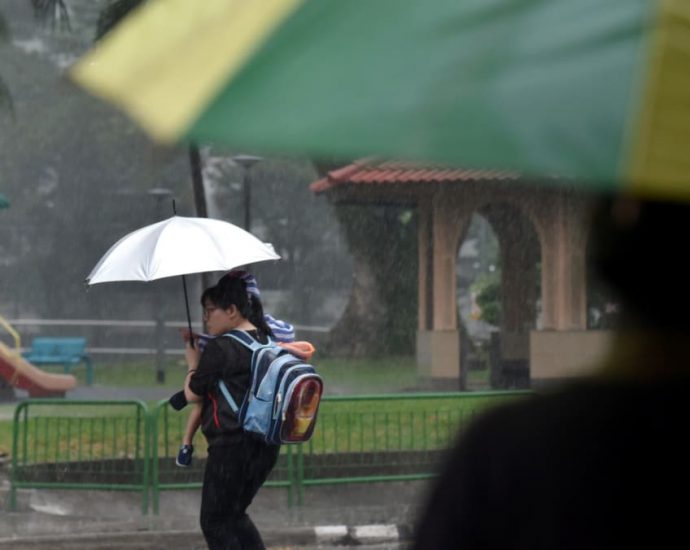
column 179, row 246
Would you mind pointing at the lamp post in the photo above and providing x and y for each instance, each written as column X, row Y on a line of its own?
column 160, row 194
column 246, row 162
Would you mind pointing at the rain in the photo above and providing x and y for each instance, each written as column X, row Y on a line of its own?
column 432, row 292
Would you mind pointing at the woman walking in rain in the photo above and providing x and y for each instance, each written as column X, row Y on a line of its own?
column 237, row 463
column 282, row 333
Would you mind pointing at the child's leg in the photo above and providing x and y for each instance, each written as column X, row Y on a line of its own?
column 193, row 423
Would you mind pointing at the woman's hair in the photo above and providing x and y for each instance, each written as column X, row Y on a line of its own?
column 232, row 290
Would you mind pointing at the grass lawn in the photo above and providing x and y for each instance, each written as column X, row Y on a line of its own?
column 341, row 376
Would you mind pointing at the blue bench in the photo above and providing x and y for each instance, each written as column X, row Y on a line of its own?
column 60, row 351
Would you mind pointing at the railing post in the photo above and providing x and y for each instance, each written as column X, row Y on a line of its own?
column 145, row 473
column 300, row 475
column 88, row 365
column 153, row 454
column 290, row 476
column 15, row 452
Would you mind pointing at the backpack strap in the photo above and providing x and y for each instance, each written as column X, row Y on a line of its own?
column 226, row 393
column 244, row 338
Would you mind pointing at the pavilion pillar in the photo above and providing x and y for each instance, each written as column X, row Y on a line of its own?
column 563, row 278
column 519, row 295
column 564, row 347
column 442, row 221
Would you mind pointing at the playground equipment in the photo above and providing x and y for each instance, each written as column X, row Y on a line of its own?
column 21, row 374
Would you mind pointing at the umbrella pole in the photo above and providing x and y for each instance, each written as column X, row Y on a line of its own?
column 186, row 303
column 186, row 297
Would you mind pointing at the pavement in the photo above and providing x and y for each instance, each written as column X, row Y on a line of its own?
column 369, row 515
column 373, row 514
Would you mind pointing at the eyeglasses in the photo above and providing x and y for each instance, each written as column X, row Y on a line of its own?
column 208, row 310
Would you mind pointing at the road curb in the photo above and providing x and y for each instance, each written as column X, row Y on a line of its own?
column 377, row 533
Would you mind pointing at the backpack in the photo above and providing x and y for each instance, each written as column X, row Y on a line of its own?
column 283, row 397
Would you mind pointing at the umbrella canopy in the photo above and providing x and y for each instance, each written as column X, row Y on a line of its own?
column 589, row 89
column 4, row 203
column 179, row 246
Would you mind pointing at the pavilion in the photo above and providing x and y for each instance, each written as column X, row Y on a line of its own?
column 542, row 233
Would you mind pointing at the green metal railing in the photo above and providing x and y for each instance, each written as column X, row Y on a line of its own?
column 122, row 445
column 394, row 437
column 60, row 444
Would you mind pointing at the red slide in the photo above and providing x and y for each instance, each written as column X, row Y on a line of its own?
column 25, row 376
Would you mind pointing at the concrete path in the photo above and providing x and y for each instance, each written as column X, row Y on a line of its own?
column 380, row 514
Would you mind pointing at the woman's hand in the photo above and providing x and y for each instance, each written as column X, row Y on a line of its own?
column 184, row 333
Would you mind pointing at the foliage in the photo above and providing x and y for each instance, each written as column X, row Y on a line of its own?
column 68, row 152
column 488, row 297
column 5, row 95
column 112, row 14
column 299, row 225
column 53, row 12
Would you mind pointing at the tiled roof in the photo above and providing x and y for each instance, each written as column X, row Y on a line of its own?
column 376, row 171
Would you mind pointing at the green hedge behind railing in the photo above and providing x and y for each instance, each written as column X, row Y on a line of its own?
column 123, row 445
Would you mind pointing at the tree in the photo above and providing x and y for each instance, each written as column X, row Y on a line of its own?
column 5, row 95
column 488, row 297
column 54, row 11
column 380, row 318
column 104, row 163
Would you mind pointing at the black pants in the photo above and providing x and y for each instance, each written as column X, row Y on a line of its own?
column 232, row 477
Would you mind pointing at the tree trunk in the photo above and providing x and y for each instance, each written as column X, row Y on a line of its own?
column 380, row 317
column 358, row 331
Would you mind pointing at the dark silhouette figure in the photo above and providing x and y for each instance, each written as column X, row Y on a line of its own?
column 601, row 462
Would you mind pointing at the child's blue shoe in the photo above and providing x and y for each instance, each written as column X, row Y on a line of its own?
column 184, row 457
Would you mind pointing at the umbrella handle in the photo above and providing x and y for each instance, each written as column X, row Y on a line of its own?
column 189, row 319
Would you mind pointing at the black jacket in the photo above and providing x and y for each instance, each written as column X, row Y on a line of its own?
column 223, row 358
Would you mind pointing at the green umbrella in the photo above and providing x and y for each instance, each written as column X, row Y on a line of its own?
column 590, row 89
column 4, row 203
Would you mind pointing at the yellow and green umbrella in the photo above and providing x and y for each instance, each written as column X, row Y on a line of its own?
column 597, row 90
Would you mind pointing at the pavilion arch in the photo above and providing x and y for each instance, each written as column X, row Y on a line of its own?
column 445, row 199
column 519, row 255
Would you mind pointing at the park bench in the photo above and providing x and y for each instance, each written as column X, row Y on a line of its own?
column 60, row 351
